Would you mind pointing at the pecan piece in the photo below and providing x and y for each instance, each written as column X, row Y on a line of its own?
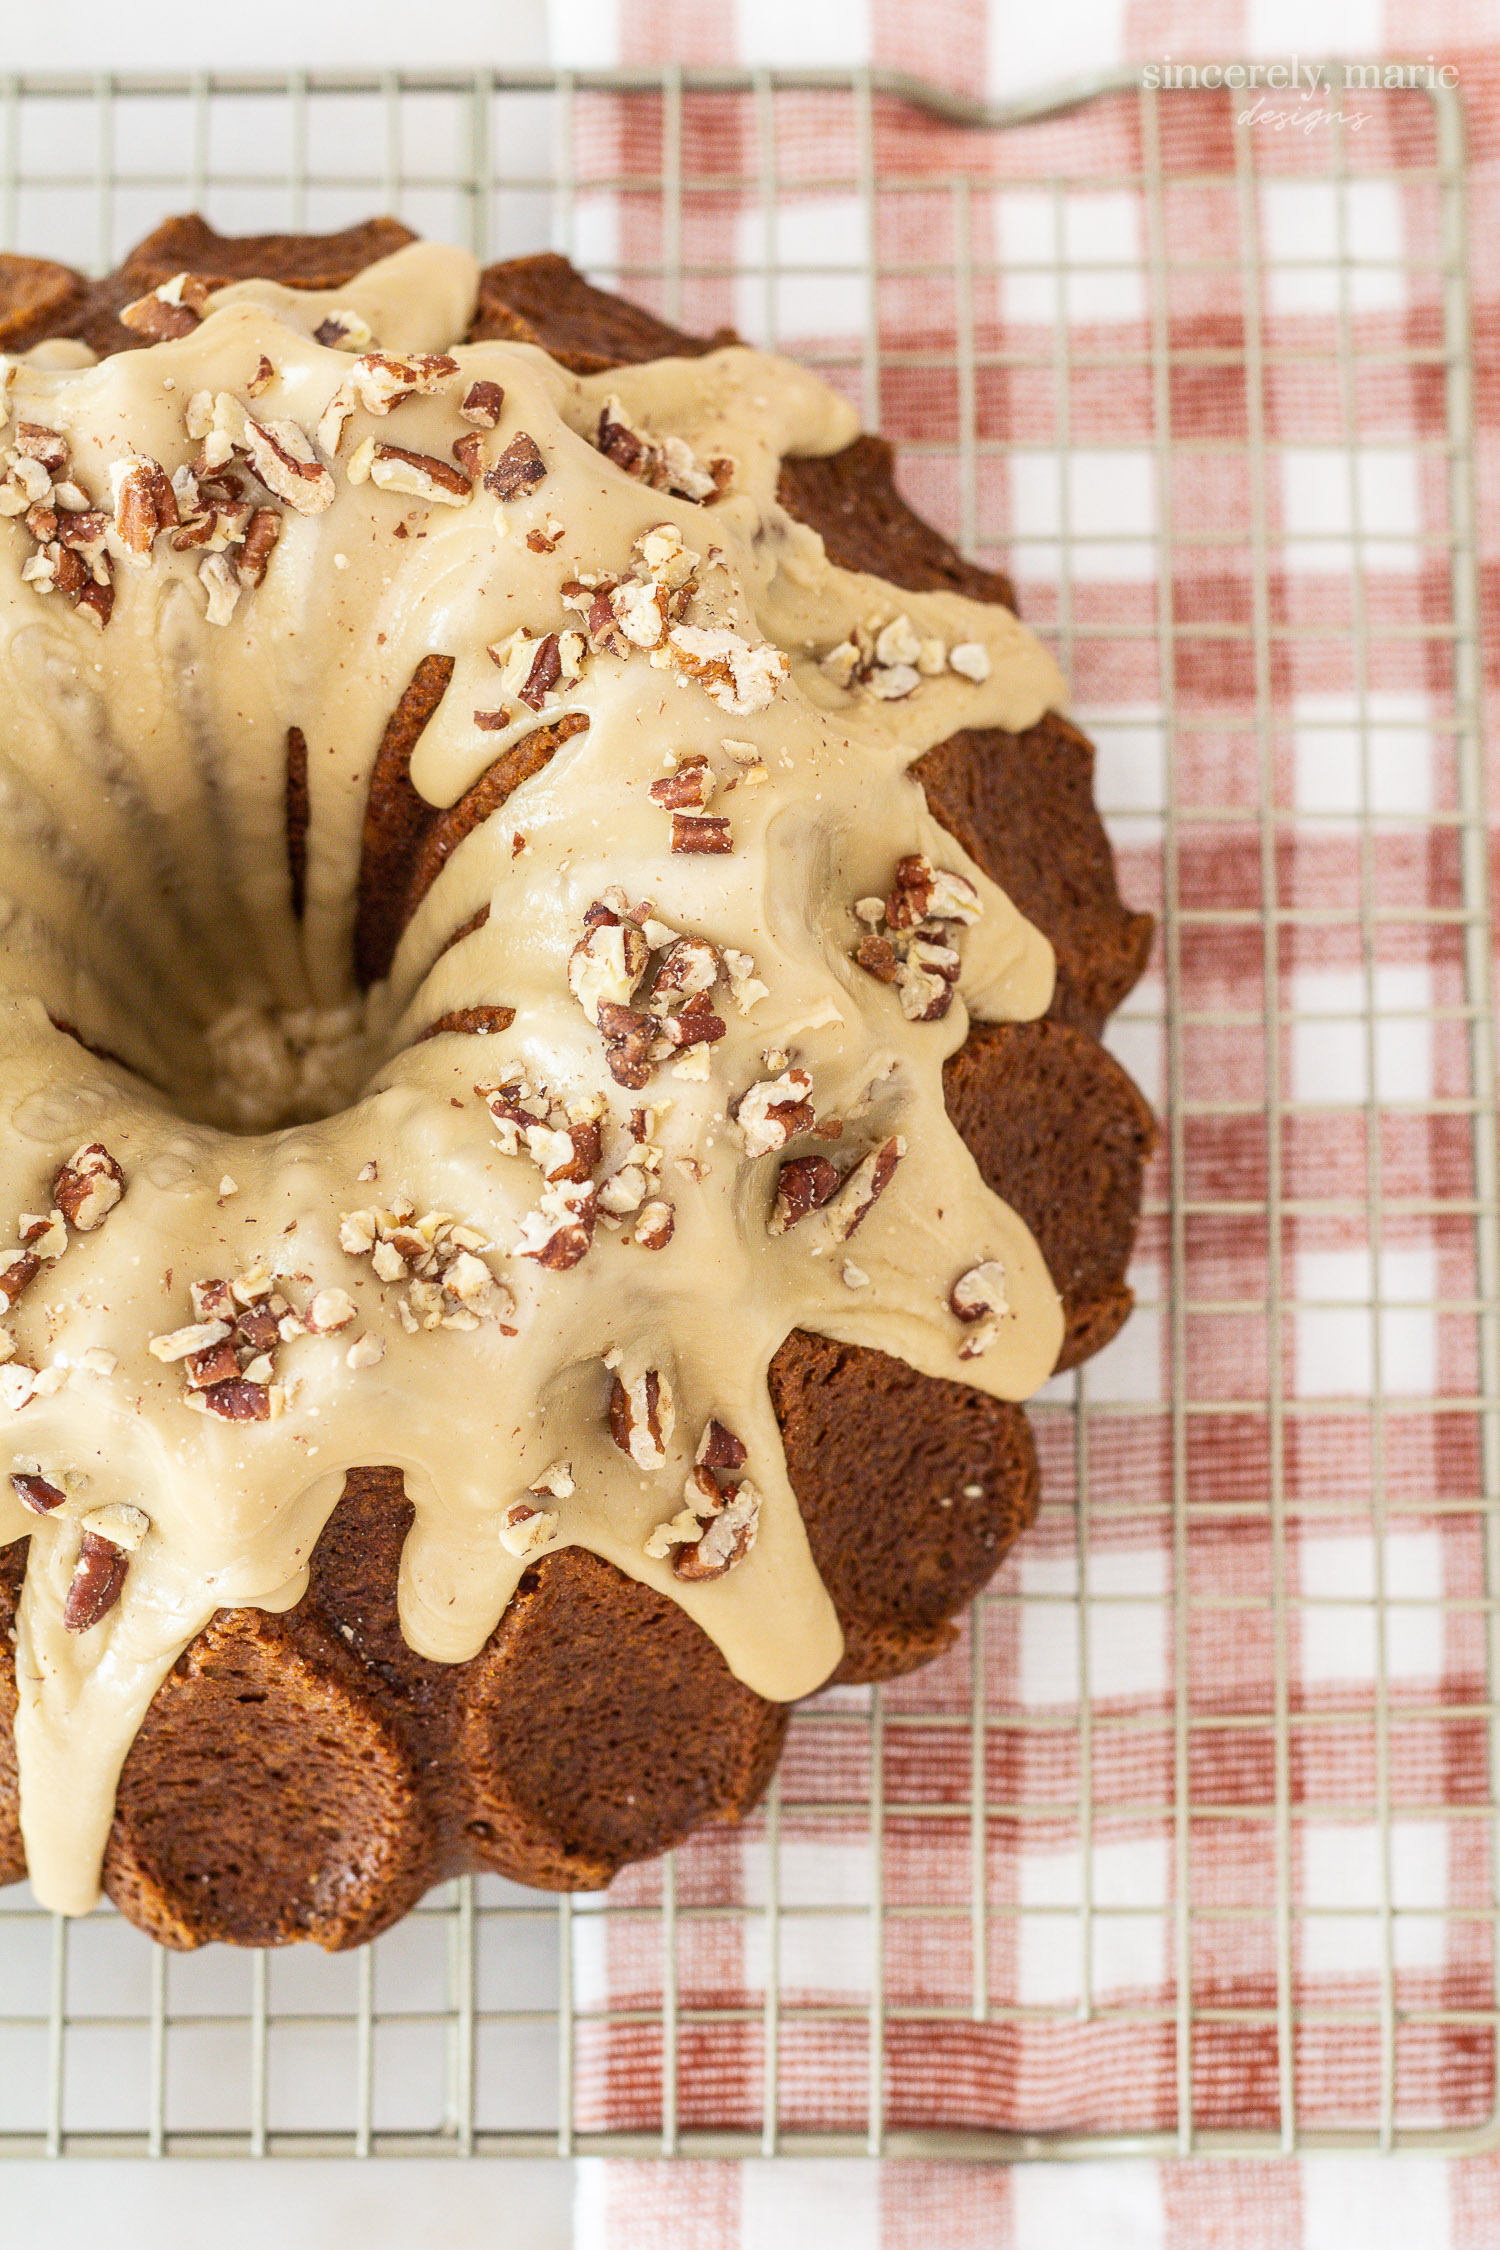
column 519, row 469
column 627, row 1043
column 144, row 502
column 773, row 1110
column 174, row 309
column 16, row 1277
column 863, row 1188
column 701, row 832
column 561, row 1230
column 395, row 468
column 694, row 1025
column 35, row 441
column 282, row 456
column 261, row 535
column 688, row 789
column 88, row 1187
column 216, row 1363
column 878, row 955
column 656, row 1225
column 642, row 1417
column 804, row 1183
column 727, row 1539
column 36, row 1493
column 546, row 671
column 481, row 405
column 97, row 1582
column 719, row 1448
column 238, row 1401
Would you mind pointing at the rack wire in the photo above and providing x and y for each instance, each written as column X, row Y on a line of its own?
column 1285, row 1906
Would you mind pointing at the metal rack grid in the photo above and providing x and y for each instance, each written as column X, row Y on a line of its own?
column 477, row 2024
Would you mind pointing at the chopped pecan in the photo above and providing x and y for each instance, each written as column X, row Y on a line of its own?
column 878, row 955
column 175, row 309
column 979, row 1299
column 607, row 964
column 701, row 832
column 804, row 1183
column 773, row 1110
column 519, row 469
column 726, row 1540
column 36, row 442
column 863, row 1188
column 261, row 535
column 719, row 1448
column 688, row 789
column 585, row 1144
column 395, row 468
column 560, row 1231
column 344, row 332
column 481, row 404
column 264, row 376
column 524, row 1529
column 546, row 671
column 282, row 456
column 694, row 1024
column 96, row 603
column 145, row 505
column 16, row 1277
column 213, row 1300
column 627, row 1042
column 36, row 1493
column 656, row 1225
column 258, row 1328
column 216, row 1363
column 689, row 965
column 97, row 1582
column 642, row 1417
column 238, row 1401
column 468, row 452
column 739, row 675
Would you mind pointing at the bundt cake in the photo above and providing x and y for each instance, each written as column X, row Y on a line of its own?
column 552, row 948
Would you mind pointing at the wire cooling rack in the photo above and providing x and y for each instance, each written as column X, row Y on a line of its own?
column 1210, row 1774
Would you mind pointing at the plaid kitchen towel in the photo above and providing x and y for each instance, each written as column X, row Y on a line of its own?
column 1235, row 1862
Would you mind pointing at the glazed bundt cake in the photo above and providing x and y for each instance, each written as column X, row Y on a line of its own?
column 552, row 947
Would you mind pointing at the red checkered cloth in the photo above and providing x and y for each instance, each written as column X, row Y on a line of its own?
column 1244, row 556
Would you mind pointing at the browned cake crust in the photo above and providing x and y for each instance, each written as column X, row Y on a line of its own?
column 309, row 1775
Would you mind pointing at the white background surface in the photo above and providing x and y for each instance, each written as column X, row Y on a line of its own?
column 326, row 2206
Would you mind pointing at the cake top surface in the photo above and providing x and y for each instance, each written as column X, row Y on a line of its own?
column 518, row 1187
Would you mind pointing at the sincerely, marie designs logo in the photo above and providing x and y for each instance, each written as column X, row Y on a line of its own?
column 1316, row 87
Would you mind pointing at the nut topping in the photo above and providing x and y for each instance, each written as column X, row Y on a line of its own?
column 88, row 1187
column 394, row 468
column 863, row 1188
column 689, row 788
column 773, row 1110
column 518, row 470
column 144, row 504
column 701, row 832
column 979, row 1299
column 172, row 310
column 524, row 1529
column 481, row 405
column 642, row 1417
column 97, row 1583
column 36, row 1493
column 282, row 456
column 804, row 1184
column 16, row 1277
column 655, row 1226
